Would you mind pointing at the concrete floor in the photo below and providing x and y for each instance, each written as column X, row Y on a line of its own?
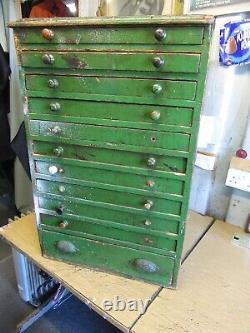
column 71, row 317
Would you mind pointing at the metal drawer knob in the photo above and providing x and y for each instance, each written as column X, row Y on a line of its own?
column 53, row 170
column 63, row 224
column 158, row 62
column 54, row 130
column 148, row 204
column 160, row 34
column 53, row 83
column 150, row 183
column 48, row 59
column 55, row 106
column 157, row 89
column 151, row 162
column 59, row 210
column 61, row 189
column 148, row 241
column 59, row 151
column 48, row 34
column 146, row 266
column 147, row 223
column 66, row 247
column 155, row 115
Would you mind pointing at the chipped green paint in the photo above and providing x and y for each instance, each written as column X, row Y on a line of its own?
column 113, row 114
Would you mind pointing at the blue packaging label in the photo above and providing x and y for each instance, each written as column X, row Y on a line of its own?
column 235, row 43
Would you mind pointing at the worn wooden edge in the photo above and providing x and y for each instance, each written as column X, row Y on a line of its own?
column 126, row 20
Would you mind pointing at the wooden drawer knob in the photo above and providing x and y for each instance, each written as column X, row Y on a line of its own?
column 54, row 130
column 53, row 83
column 58, row 151
column 151, row 162
column 155, row 115
column 55, row 106
column 48, row 59
column 148, row 204
column 48, row 34
column 160, row 34
column 63, row 224
column 157, row 89
column 158, row 62
column 66, row 247
column 59, row 210
column 146, row 266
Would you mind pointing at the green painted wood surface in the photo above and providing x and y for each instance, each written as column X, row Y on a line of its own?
column 106, row 136
column 113, row 179
column 173, row 62
column 112, row 114
column 111, row 197
column 114, row 86
column 128, row 237
column 108, row 257
column 121, row 35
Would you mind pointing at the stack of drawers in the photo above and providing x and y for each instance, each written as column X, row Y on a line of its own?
column 112, row 112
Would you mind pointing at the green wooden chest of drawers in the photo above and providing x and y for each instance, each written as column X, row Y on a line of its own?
column 112, row 112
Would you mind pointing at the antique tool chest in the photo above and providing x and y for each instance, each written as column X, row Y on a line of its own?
column 112, row 112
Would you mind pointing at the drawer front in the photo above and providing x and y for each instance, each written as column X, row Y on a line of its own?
column 109, row 136
column 65, row 208
column 149, row 164
column 184, row 35
column 144, row 202
column 154, row 62
column 130, row 262
column 125, row 115
column 64, row 170
column 154, row 90
column 83, row 229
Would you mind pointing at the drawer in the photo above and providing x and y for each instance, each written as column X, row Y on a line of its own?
column 110, row 136
column 144, row 202
column 113, row 233
column 139, row 89
column 125, row 115
column 119, row 61
column 123, row 260
column 160, row 35
column 75, row 173
column 68, row 208
column 149, row 164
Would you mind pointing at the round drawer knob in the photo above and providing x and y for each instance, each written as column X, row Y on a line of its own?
column 151, row 162
column 150, row 183
column 61, row 189
column 148, row 204
column 158, row 62
column 160, row 34
column 55, row 106
column 59, row 151
column 66, row 247
column 53, row 83
column 148, row 241
column 146, row 266
column 157, row 89
column 63, row 224
column 48, row 59
column 54, row 130
column 59, row 210
column 53, row 170
column 155, row 115
column 147, row 223
column 48, row 34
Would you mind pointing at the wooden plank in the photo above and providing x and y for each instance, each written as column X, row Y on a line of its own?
column 213, row 294
column 93, row 287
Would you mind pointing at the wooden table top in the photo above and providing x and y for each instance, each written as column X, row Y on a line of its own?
column 93, row 287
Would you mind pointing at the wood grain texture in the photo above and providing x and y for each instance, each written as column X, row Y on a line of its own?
column 213, row 294
column 185, row 19
column 93, row 287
